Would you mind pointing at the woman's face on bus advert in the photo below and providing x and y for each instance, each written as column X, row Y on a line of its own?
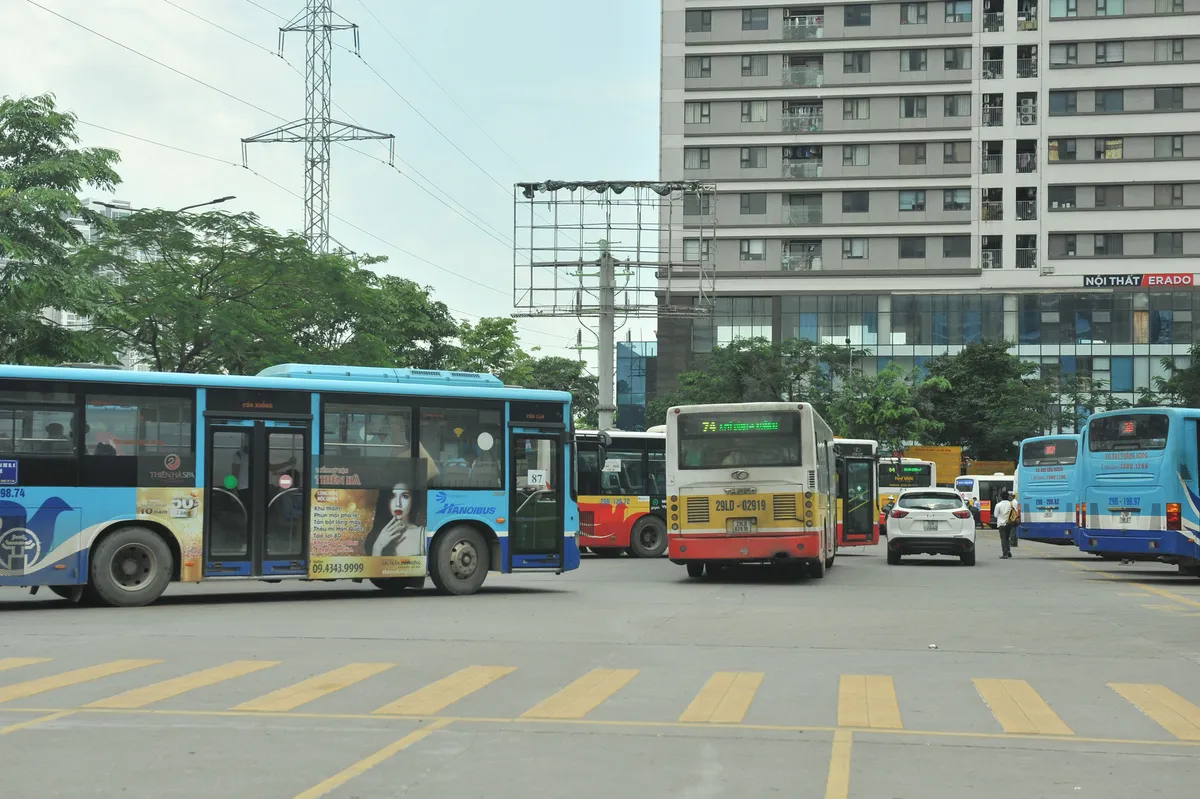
column 401, row 503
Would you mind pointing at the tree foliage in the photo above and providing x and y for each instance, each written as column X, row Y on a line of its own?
column 42, row 173
column 886, row 407
column 555, row 373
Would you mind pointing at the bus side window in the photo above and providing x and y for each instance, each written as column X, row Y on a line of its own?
column 588, row 460
column 38, row 429
column 630, row 480
column 656, row 474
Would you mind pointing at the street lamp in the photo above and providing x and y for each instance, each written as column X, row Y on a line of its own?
column 217, row 201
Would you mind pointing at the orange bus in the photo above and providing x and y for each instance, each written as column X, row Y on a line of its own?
column 622, row 480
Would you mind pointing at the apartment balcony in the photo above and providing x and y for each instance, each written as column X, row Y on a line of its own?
column 992, row 259
column 801, row 262
column 1027, row 22
column 993, row 117
column 993, row 164
column 1026, row 163
column 803, row 77
column 1027, row 68
column 1026, row 258
column 991, row 210
column 993, row 68
column 994, row 22
column 804, row 214
column 802, row 169
column 1026, row 210
column 799, row 29
column 802, row 122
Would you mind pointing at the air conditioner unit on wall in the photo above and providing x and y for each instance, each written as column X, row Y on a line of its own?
column 1028, row 119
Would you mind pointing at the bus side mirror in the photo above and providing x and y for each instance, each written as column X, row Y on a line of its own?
column 605, row 439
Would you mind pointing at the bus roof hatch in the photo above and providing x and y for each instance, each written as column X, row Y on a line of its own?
column 374, row 374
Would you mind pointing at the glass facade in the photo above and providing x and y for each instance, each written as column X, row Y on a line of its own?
column 636, row 362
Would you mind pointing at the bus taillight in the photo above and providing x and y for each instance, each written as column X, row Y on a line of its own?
column 1174, row 516
column 1076, row 514
column 1083, row 514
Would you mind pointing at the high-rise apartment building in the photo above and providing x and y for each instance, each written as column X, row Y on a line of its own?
column 911, row 177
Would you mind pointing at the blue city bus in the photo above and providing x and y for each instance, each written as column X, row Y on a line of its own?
column 115, row 483
column 1048, row 480
column 1140, row 493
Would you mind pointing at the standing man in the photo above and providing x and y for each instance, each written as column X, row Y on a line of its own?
column 1001, row 513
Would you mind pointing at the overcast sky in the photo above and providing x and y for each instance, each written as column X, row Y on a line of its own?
column 567, row 89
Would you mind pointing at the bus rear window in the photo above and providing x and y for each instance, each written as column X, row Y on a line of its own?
column 718, row 440
column 964, row 484
column 1140, row 431
column 906, row 475
column 1062, row 452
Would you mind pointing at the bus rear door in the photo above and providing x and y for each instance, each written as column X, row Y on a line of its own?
column 859, row 525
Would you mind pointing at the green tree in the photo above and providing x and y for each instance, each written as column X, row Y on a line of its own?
column 885, row 407
column 41, row 175
column 490, row 345
column 556, row 373
column 1181, row 389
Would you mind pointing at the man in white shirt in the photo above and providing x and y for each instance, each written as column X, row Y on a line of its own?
column 1000, row 513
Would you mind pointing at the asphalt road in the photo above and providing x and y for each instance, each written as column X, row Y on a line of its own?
column 1054, row 675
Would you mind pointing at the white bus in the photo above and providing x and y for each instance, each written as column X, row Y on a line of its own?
column 897, row 475
column 751, row 483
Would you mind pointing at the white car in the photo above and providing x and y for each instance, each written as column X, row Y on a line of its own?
column 930, row 521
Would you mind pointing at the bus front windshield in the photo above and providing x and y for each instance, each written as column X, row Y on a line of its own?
column 905, row 475
column 1059, row 452
column 1133, row 431
column 721, row 440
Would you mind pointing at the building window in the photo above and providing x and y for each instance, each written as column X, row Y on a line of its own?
column 1109, row 244
column 752, row 250
column 1110, row 8
column 914, row 13
column 695, row 158
column 1168, row 147
column 696, row 113
column 1168, row 244
column 1112, row 149
column 1168, row 6
column 856, row 154
column 1063, row 102
column 698, row 22
column 854, row 248
column 912, row 246
column 695, row 249
column 1061, row 197
column 1061, row 149
column 697, row 66
column 956, row 246
column 754, row 158
column 754, row 111
column 856, row 16
column 856, row 202
column 956, row 152
column 1062, row 245
column 1110, row 52
column 914, row 60
column 1168, row 195
column 1063, row 9
column 857, row 108
column 754, row 66
column 958, row 58
column 697, row 204
column 913, row 107
column 956, row 200
column 912, row 200
column 755, row 19
column 958, row 10
column 1110, row 100
column 1168, row 98
column 1110, row 196
column 912, row 154
column 856, row 63
column 1168, row 50
column 753, row 204
column 957, row 105
column 1064, row 54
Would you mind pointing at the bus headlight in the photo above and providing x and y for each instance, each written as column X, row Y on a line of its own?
column 674, row 526
column 674, row 517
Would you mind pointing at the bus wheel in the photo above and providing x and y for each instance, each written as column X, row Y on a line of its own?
column 816, row 568
column 71, row 593
column 131, row 567
column 695, row 568
column 395, row 586
column 460, row 561
column 606, row 552
column 649, row 537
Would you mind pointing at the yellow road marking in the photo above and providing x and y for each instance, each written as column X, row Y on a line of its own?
column 437, row 696
column 1019, row 708
column 370, row 762
column 140, row 697
column 868, row 700
column 314, row 688
column 1171, row 595
column 1173, row 713
column 837, row 786
column 42, row 684
column 725, row 698
column 16, row 663
column 582, row 696
column 34, row 722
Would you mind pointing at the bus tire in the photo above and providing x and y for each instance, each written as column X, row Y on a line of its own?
column 695, row 568
column 649, row 537
column 130, row 568
column 395, row 586
column 459, row 561
column 606, row 552
column 832, row 556
column 816, row 568
column 71, row 593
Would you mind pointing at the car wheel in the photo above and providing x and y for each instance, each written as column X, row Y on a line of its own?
column 968, row 558
column 893, row 555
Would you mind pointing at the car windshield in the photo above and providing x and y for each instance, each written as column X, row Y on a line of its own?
column 926, row 500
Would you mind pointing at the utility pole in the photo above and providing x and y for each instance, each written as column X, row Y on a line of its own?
column 317, row 131
column 607, row 320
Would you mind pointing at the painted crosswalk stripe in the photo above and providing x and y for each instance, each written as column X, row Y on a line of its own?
column 437, row 696
column 140, row 697
column 16, row 663
column 42, row 684
column 313, row 688
column 868, row 700
column 582, row 696
column 1019, row 708
column 725, row 698
column 1173, row 713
